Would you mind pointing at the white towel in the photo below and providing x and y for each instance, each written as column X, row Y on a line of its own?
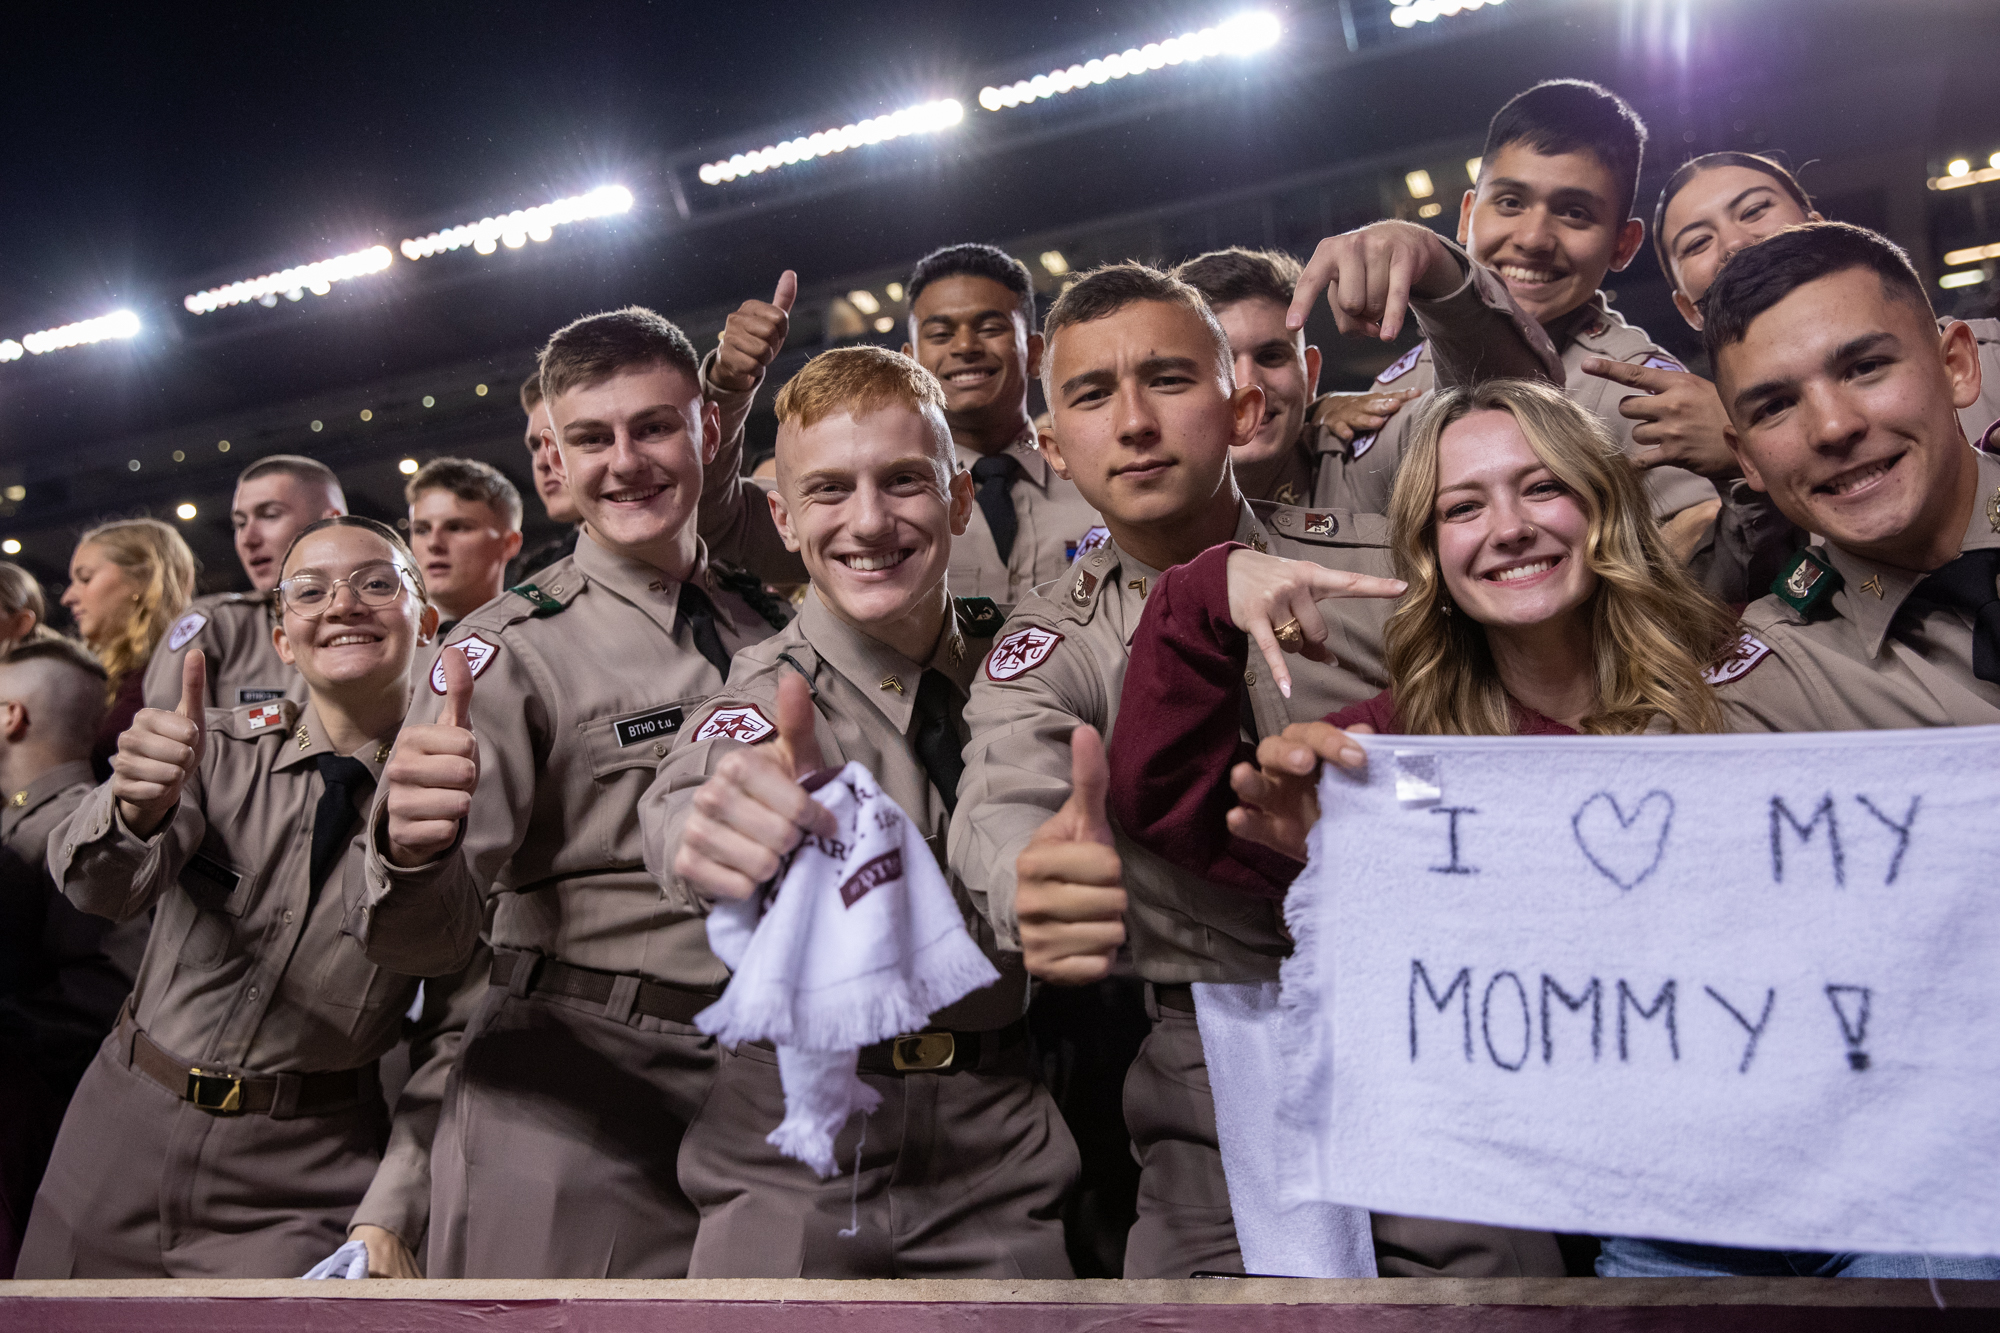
column 1278, row 1237
column 862, row 941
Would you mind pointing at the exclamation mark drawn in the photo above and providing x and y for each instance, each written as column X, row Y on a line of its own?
column 1850, row 1006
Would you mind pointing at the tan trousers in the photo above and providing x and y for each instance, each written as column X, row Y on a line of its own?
column 962, row 1175
column 555, row 1152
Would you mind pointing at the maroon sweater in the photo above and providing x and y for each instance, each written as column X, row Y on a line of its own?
column 1179, row 731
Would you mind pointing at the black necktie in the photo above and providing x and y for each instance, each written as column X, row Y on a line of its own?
column 937, row 738
column 698, row 614
column 333, row 818
column 995, row 475
column 1967, row 584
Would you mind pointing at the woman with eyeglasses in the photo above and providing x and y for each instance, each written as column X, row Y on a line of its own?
column 233, row 1125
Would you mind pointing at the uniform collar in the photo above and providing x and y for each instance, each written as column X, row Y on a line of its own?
column 308, row 742
column 1132, row 575
column 1593, row 319
column 1024, row 450
column 1873, row 612
column 37, row 793
column 644, row 585
column 871, row 666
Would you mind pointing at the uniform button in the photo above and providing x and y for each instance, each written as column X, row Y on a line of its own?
column 659, row 749
column 1249, row 678
column 253, row 992
column 288, row 918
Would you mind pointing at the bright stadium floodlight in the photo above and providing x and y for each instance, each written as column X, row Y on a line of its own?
column 293, row 282
column 1409, row 13
column 1245, row 34
column 516, row 229
column 117, row 324
column 1972, row 256
column 924, row 118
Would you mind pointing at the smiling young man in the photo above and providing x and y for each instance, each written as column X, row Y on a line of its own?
column 465, row 525
column 972, row 326
column 963, row 1168
column 1548, row 218
column 1146, row 412
column 582, row 1066
column 276, row 497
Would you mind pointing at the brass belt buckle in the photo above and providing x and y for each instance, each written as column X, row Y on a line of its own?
column 922, row 1051
column 222, row 1093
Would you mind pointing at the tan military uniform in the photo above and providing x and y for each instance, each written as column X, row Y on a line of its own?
column 962, row 1172
column 1866, row 660
column 1053, row 522
column 1477, row 333
column 580, row 1068
column 233, row 631
column 247, row 978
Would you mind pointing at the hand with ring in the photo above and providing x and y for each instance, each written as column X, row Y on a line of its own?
column 1289, row 637
column 1273, row 601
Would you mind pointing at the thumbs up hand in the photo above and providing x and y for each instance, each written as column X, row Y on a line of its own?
column 1070, row 896
column 751, row 811
column 158, row 751
column 432, row 774
column 753, row 337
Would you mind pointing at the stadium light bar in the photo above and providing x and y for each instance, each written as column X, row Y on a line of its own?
column 1964, row 278
column 1245, row 34
column 924, row 118
column 1955, row 180
column 117, row 324
column 1409, row 13
column 516, row 229
column 1971, row 256
column 292, row 283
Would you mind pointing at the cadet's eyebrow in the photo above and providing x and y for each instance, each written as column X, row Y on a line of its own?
column 1881, row 340
column 948, row 319
column 1729, row 207
column 1075, row 382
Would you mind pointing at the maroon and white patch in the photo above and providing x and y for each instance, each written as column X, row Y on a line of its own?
column 1097, row 538
column 185, row 629
column 1990, row 441
column 1663, row 363
column 1401, row 366
column 266, row 715
column 1744, row 654
column 1021, row 652
column 478, row 654
column 746, row 724
column 1363, row 443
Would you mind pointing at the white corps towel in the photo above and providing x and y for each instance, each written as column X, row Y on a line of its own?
column 862, row 941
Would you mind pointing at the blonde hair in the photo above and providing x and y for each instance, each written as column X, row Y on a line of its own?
column 1653, row 629
column 156, row 560
column 857, row 380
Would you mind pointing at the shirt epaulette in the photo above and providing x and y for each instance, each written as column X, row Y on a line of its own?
column 249, row 722
column 1075, row 595
column 1807, row 585
column 776, row 612
column 1322, row 527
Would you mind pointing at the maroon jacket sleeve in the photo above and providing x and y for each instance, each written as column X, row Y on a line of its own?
column 1179, row 731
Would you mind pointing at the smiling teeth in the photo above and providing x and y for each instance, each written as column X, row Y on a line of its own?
column 632, row 497
column 1524, row 571
column 342, row 640
column 1859, row 479
column 1520, row 274
column 870, row 563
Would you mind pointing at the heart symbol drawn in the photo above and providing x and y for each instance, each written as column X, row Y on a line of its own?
column 1624, row 848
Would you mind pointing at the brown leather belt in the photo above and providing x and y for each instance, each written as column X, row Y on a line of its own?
column 526, row 974
column 937, row 1051
column 281, row 1096
column 1179, row 997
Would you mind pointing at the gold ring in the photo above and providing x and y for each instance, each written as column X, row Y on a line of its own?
column 1289, row 635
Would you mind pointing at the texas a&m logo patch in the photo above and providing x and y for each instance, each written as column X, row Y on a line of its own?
column 267, row 715
column 478, row 652
column 1021, row 652
column 1091, row 540
column 1735, row 664
column 1401, row 366
column 185, row 629
column 746, row 724
column 1663, row 363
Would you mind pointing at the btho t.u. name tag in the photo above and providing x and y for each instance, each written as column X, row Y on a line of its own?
column 651, row 726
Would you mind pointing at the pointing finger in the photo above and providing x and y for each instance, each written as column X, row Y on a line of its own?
column 1647, row 379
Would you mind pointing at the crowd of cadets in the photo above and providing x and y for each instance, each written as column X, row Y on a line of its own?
column 410, row 867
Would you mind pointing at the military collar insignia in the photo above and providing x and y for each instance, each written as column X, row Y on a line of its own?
column 20, row 797
column 1873, row 585
column 1808, row 584
column 891, row 683
column 1138, row 586
column 1993, row 509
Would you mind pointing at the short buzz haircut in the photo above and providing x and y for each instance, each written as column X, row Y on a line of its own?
column 596, row 347
column 1572, row 116
column 306, row 471
column 44, row 644
column 470, row 480
column 974, row 260
column 1105, row 291
column 1224, row 277
column 63, row 684
column 1760, row 275
column 859, row 380
column 531, row 392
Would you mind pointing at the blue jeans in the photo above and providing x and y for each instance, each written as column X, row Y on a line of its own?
column 1631, row 1256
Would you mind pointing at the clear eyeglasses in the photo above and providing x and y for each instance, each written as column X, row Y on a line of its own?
column 309, row 596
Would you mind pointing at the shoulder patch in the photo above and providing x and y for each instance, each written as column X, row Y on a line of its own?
column 1663, row 363
column 1807, row 584
column 1398, row 368
column 1096, row 538
column 1738, row 661
column 1990, row 441
column 265, row 716
column 1021, row 652
column 1362, row 444
column 979, row 617
column 184, row 630
column 745, row 723
column 543, row 604
column 478, row 654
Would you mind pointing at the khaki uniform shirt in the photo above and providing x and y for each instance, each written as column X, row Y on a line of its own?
column 1061, row 662
column 1053, row 522
column 1477, row 333
column 1873, row 662
column 233, row 630
column 861, row 716
column 578, row 695
column 242, row 973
